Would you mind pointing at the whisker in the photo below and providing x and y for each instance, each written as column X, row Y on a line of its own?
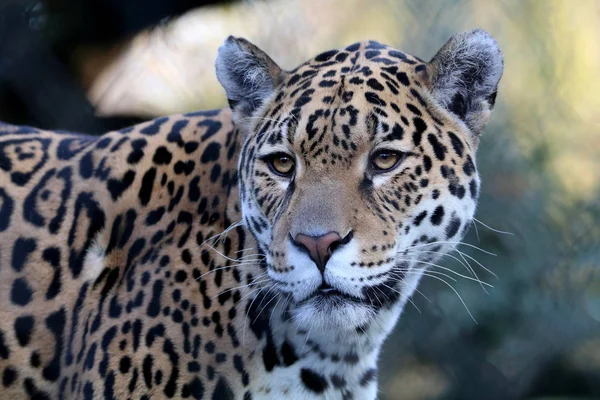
column 259, row 118
column 450, row 242
column 246, row 249
column 227, row 230
column 307, row 336
column 271, row 287
column 226, row 267
column 248, row 310
column 476, row 232
column 492, row 229
column 478, row 263
column 454, row 290
column 428, row 271
column 467, row 266
column 464, row 262
column 364, row 331
column 240, row 287
column 450, row 270
column 421, row 293
column 221, row 254
column 274, row 308
column 405, row 296
column 265, row 306
column 473, row 271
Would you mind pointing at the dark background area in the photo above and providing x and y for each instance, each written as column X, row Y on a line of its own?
column 37, row 43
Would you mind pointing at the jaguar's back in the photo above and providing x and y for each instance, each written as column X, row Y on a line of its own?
column 100, row 259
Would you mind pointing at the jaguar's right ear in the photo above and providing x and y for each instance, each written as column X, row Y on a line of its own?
column 464, row 77
column 248, row 75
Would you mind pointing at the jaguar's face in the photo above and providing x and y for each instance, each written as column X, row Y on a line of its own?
column 355, row 179
column 349, row 199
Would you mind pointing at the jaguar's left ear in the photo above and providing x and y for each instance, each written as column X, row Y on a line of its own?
column 248, row 75
column 464, row 76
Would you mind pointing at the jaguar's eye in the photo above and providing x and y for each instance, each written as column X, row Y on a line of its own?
column 385, row 160
column 281, row 164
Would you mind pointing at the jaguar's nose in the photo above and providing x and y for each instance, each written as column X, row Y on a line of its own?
column 320, row 248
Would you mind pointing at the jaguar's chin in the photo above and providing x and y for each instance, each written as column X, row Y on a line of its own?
column 328, row 308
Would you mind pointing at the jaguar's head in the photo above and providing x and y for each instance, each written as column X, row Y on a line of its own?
column 358, row 167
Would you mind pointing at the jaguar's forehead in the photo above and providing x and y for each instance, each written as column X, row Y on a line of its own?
column 359, row 60
column 346, row 98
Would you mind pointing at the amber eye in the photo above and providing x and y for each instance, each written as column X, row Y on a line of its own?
column 385, row 160
column 281, row 164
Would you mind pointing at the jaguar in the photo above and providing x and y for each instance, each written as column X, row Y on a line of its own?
column 258, row 251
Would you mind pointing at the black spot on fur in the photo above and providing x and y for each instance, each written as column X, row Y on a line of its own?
column 154, row 216
column 4, row 350
column 313, row 381
column 9, row 376
column 211, row 153
column 55, row 323
column 414, row 109
column 6, row 209
column 353, row 47
column 270, row 358
column 154, row 126
column 222, row 391
column 338, row 381
column 419, row 218
column 162, row 156
column 403, row 78
column 21, row 292
column 116, row 187
column 427, row 163
column 374, row 99
column 420, row 127
column 374, row 84
column 452, row 227
column 146, row 188
column 154, row 305
column 195, row 389
column 369, row 376
column 437, row 216
column 457, row 144
column 288, row 353
column 458, row 106
column 469, row 167
column 52, row 256
column 473, row 189
column 21, row 250
column 438, row 148
column 326, row 55
column 23, row 329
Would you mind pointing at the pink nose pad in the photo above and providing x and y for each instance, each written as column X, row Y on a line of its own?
column 319, row 247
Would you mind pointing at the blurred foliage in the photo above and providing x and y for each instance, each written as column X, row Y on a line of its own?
column 536, row 333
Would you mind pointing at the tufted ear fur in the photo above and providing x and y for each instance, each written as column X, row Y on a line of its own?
column 248, row 75
column 464, row 76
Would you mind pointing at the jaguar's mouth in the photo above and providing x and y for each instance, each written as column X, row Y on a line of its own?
column 327, row 290
column 328, row 293
column 330, row 308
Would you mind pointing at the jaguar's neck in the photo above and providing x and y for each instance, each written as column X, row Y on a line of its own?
column 321, row 360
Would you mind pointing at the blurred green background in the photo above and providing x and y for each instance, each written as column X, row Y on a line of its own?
column 536, row 333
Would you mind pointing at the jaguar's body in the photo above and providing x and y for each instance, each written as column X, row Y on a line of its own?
column 339, row 182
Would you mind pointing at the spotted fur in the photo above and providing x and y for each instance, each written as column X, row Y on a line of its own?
column 161, row 261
